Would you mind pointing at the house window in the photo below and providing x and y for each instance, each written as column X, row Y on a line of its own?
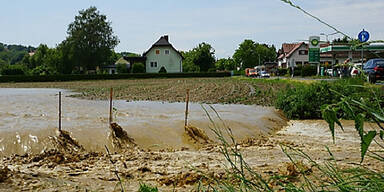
column 157, row 51
column 299, row 63
column 303, row 52
column 167, row 52
column 154, row 64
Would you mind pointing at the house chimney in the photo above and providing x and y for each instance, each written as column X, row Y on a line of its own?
column 166, row 37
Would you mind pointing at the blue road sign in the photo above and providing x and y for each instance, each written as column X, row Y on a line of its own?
column 363, row 36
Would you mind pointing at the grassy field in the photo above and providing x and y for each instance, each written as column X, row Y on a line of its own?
column 229, row 90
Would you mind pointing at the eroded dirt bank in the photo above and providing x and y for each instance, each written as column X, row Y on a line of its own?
column 169, row 169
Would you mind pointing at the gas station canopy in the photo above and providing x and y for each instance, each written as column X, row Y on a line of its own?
column 346, row 48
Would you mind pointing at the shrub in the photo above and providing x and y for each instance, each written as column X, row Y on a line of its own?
column 138, row 68
column 212, row 70
column 43, row 70
column 282, row 71
column 13, row 70
column 162, row 70
column 305, row 101
column 122, row 68
column 308, row 70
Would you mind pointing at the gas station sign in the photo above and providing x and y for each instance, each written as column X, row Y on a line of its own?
column 314, row 49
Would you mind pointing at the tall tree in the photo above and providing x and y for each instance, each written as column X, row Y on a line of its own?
column 251, row 54
column 188, row 65
column 91, row 39
column 204, row 56
column 225, row 64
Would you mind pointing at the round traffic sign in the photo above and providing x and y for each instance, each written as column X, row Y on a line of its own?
column 363, row 36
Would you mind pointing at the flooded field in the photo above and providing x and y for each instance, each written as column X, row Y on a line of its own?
column 29, row 116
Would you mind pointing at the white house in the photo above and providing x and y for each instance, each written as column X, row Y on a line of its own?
column 163, row 55
column 296, row 54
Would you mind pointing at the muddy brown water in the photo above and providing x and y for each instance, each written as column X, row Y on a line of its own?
column 29, row 116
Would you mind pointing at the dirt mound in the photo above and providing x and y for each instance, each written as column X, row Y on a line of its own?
column 120, row 138
column 196, row 135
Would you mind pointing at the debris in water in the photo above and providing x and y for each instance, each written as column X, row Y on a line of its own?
column 65, row 143
column 120, row 138
column 196, row 134
column 4, row 171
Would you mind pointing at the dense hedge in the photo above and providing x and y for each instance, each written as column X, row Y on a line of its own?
column 308, row 70
column 48, row 78
column 282, row 71
column 305, row 101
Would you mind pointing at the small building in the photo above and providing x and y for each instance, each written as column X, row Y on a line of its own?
column 296, row 54
column 163, row 55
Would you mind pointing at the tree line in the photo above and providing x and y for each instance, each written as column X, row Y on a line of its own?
column 90, row 44
column 248, row 55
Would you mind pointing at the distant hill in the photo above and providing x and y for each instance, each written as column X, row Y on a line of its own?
column 12, row 54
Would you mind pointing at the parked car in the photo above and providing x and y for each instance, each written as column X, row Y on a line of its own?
column 264, row 74
column 374, row 69
column 356, row 69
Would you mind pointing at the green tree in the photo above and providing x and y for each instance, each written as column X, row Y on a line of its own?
column 251, row 54
column 204, row 56
column 188, row 65
column 200, row 58
column 91, row 39
column 225, row 64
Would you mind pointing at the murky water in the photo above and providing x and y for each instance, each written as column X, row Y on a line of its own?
column 29, row 116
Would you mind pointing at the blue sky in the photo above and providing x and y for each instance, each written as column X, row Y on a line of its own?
column 222, row 23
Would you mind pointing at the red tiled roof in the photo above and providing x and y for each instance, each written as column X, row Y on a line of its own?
column 289, row 48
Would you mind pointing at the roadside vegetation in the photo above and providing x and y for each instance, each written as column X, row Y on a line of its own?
column 305, row 101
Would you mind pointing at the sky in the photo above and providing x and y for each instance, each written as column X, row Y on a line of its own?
column 222, row 23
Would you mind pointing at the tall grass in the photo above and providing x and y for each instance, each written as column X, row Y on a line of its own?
column 308, row 175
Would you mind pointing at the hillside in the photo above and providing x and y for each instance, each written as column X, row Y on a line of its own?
column 11, row 54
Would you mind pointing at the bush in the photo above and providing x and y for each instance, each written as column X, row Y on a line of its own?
column 122, row 68
column 43, row 70
column 305, row 101
column 138, row 68
column 282, row 71
column 308, row 70
column 162, row 70
column 13, row 70
column 212, row 70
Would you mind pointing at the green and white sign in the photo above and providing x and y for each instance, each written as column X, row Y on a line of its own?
column 314, row 49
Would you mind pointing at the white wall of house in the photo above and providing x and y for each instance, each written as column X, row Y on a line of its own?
column 172, row 61
column 297, row 58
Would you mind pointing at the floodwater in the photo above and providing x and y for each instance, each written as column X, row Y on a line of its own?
column 29, row 116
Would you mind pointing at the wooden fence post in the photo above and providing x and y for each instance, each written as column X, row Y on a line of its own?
column 186, row 108
column 60, row 111
column 110, row 106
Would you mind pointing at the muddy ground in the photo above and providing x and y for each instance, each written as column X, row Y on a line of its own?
column 175, row 170
column 207, row 90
